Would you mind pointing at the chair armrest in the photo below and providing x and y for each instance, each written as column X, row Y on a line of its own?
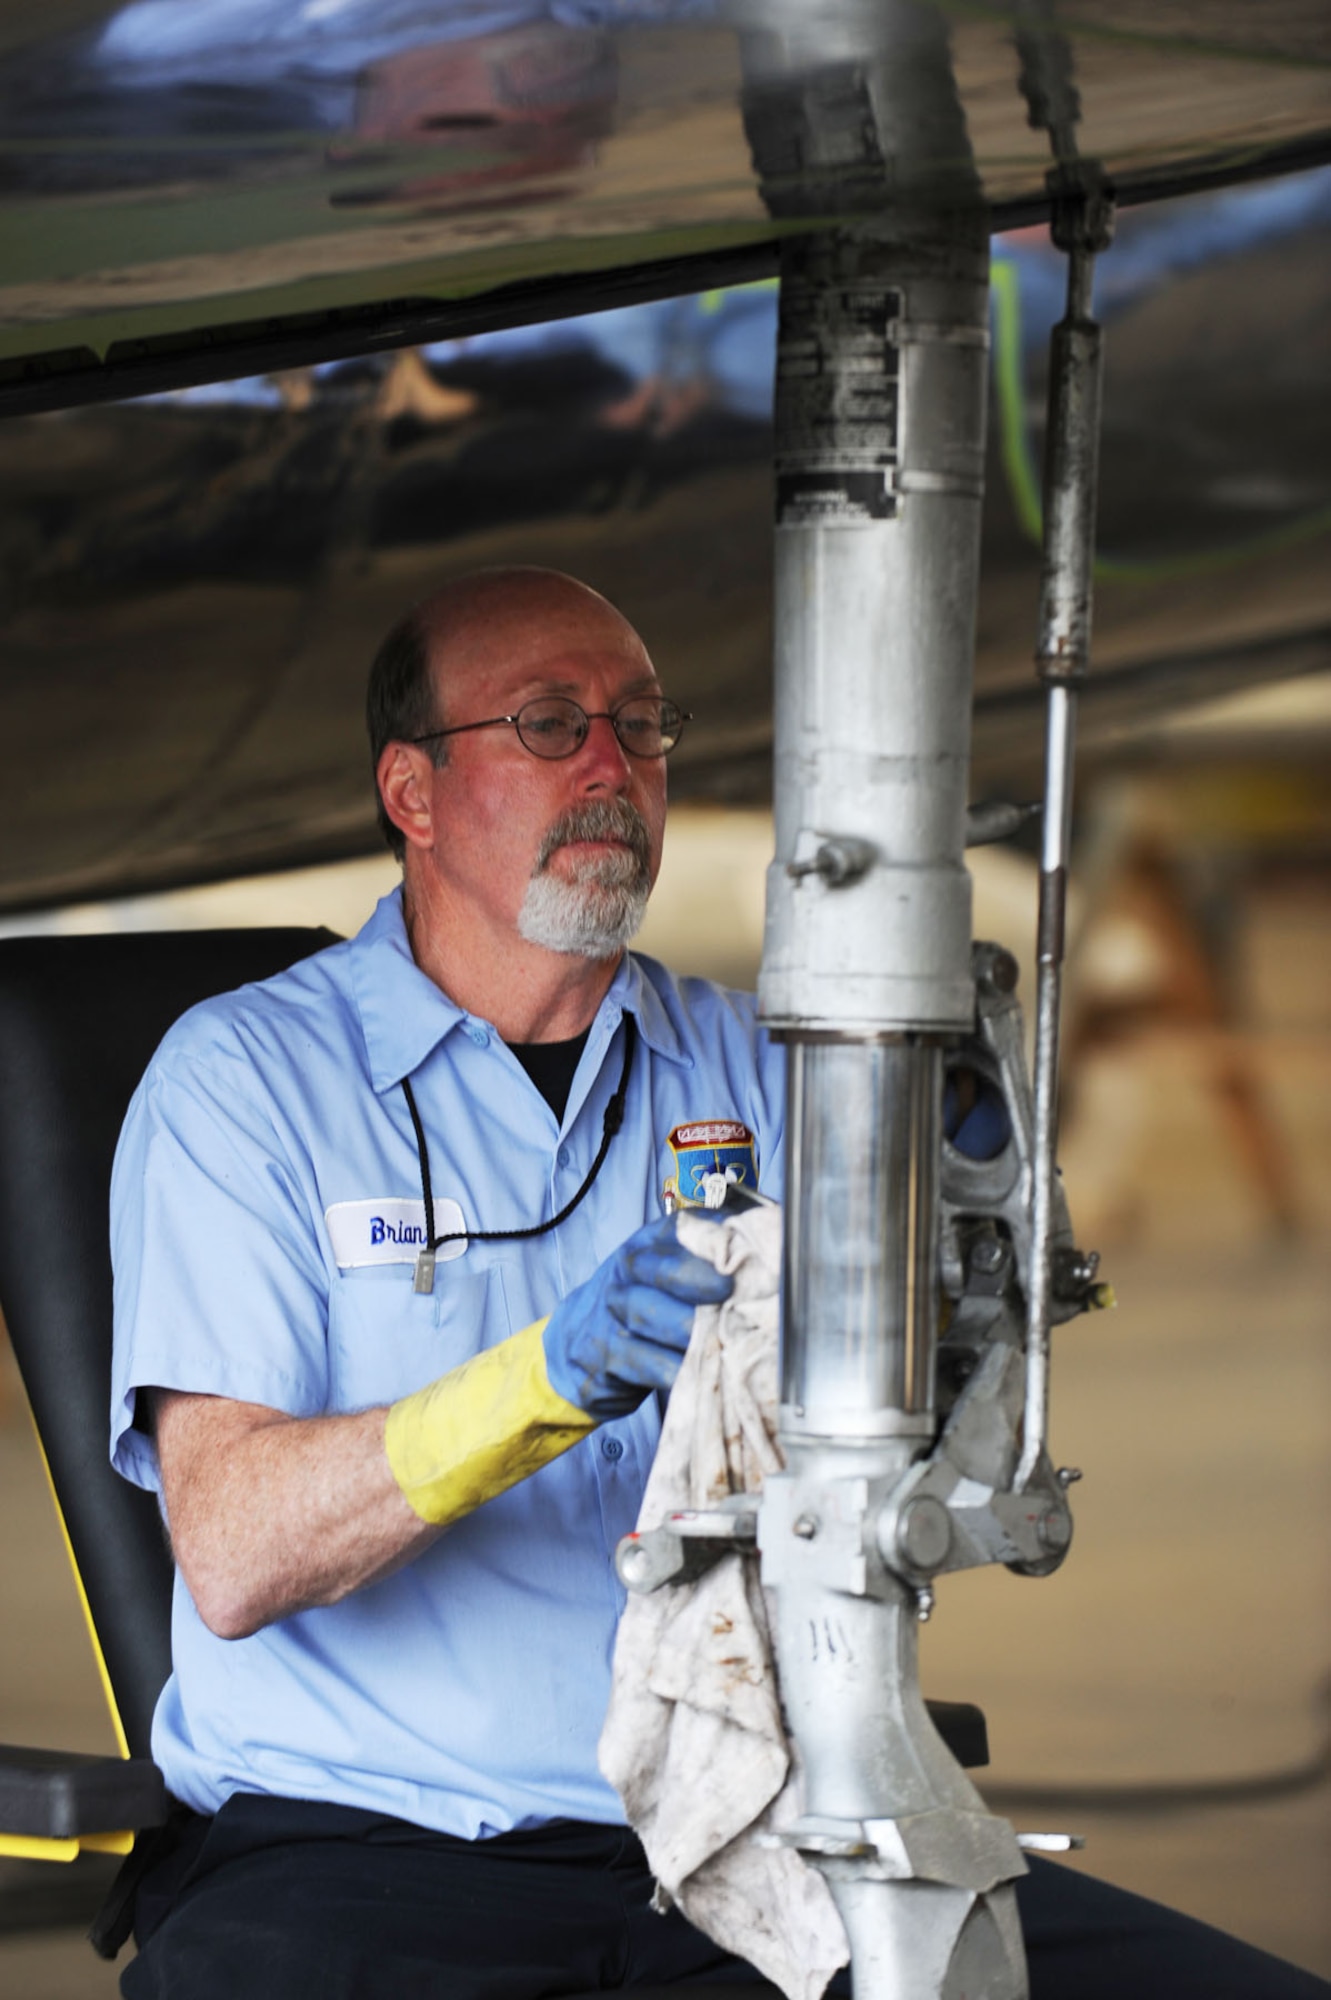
column 65, row 1794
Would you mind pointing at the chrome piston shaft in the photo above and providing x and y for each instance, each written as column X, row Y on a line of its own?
column 861, row 1246
column 919, row 1870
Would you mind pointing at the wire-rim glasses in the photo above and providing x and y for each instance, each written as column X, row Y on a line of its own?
column 555, row 726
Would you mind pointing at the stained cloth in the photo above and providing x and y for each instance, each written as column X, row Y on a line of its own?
column 694, row 1739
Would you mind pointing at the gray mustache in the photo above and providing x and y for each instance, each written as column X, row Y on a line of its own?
column 599, row 819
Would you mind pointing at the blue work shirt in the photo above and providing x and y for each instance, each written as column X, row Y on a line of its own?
column 266, row 1212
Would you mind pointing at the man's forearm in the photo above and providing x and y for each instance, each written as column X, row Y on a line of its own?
column 271, row 1514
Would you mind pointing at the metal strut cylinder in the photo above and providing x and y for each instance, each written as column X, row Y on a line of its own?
column 880, row 411
column 880, row 403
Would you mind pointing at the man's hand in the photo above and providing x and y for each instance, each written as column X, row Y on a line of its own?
column 623, row 1333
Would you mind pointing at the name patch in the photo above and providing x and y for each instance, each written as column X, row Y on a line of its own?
column 706, row 1156
column 389, row 1229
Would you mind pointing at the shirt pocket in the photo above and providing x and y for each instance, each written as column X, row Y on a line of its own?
column 386, row 1340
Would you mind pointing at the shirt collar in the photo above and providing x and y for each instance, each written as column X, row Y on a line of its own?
column 632, row 992
column 404, row 1015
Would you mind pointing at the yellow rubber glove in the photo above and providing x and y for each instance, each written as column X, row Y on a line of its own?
column 480, row 1429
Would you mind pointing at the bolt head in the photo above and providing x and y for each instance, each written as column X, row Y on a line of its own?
column 1004, row 972
column 924, row 1533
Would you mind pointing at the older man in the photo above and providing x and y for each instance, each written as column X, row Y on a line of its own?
column 395, row 1283
column 394, row 1289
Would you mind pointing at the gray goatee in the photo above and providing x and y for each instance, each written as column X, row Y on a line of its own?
column 597, row 911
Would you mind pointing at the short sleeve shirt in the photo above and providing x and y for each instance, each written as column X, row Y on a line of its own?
column 266, row 1215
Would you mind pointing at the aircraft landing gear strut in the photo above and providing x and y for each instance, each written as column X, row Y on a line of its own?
column 899, row 1468
column 913, row 1446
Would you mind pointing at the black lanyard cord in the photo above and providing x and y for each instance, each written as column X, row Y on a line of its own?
column 614, row 1118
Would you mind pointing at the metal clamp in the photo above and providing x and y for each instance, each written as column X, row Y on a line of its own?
column 687, row 1544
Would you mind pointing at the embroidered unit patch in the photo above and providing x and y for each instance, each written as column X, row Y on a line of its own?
column 707, row 1156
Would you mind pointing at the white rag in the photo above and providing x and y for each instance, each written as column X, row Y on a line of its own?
column 694, row 1738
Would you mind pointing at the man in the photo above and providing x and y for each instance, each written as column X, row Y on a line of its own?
column 394, row 1289
column 324, row 1415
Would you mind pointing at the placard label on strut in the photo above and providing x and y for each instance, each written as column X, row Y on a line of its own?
column 838, row 406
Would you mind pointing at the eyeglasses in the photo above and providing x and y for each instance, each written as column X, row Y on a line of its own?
column 554, row 726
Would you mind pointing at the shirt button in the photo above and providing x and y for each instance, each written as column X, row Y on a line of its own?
column 479, row 1036
column 612, row 1448
column 563, row 1156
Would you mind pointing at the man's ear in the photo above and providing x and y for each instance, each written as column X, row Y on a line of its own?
column 403, row 773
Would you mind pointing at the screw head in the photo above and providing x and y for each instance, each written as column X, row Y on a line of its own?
column 995, row 968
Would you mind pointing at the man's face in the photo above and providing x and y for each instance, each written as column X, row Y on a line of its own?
column 561, row 851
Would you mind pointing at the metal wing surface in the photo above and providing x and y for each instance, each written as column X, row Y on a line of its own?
column 420, row 286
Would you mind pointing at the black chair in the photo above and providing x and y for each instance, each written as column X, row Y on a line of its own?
column 79, row 1020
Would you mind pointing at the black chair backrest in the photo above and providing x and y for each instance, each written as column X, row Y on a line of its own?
column 79, row 1019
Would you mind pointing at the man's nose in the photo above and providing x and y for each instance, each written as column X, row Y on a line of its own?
column 602, row 760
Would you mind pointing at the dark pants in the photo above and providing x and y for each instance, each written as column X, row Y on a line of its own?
column 276, row 1899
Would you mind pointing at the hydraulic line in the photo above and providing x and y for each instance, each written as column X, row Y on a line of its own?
column 1082, row 225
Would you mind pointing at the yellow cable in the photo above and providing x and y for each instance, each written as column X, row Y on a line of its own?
column 34, row 1847
column 122, row 1740
column 39, row 1847
column 107, row 1843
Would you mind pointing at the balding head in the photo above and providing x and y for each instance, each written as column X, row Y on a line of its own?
column 528, row 856
column 457, row 637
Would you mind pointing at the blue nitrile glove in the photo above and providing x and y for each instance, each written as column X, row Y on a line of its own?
column 975, row 1117
column 623, row 1333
